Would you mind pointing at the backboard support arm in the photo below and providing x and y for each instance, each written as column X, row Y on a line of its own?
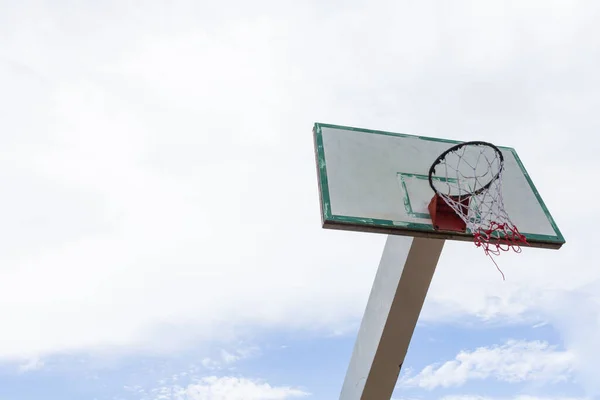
column 397, row 296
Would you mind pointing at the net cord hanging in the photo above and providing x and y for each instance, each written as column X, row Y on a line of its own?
column 468, row 177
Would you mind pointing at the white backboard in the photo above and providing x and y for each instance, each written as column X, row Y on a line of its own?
column 376, row 181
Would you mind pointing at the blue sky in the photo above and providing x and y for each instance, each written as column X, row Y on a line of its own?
column 160, row 234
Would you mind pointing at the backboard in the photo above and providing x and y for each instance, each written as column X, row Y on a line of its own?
column 377, row 181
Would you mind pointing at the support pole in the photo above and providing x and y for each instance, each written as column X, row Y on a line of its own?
column 403, row 277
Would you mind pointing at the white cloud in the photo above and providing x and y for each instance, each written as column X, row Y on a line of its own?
column 515, row 397
column 227, row 358
column 31, row 365
column 514, row 361
column 466, row 397
column 518, row 397
column 576, row 316
column 167, row 216
column 226, row 388
column 159, row 178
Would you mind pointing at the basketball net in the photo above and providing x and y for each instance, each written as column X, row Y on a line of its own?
column 470, row 183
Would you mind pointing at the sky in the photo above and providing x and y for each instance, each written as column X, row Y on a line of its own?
column 160, row 236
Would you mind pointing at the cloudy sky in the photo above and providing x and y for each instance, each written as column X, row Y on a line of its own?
column 159, row 223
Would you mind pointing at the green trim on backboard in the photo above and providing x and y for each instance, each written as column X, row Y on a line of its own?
column 559, row 235
column 388, row 225
column 349, row 128
column 322, row 168
column 425, row 227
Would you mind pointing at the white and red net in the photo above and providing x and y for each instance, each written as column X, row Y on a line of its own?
column 468, row 177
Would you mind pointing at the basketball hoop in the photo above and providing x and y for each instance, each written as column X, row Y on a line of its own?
column 468, row 178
